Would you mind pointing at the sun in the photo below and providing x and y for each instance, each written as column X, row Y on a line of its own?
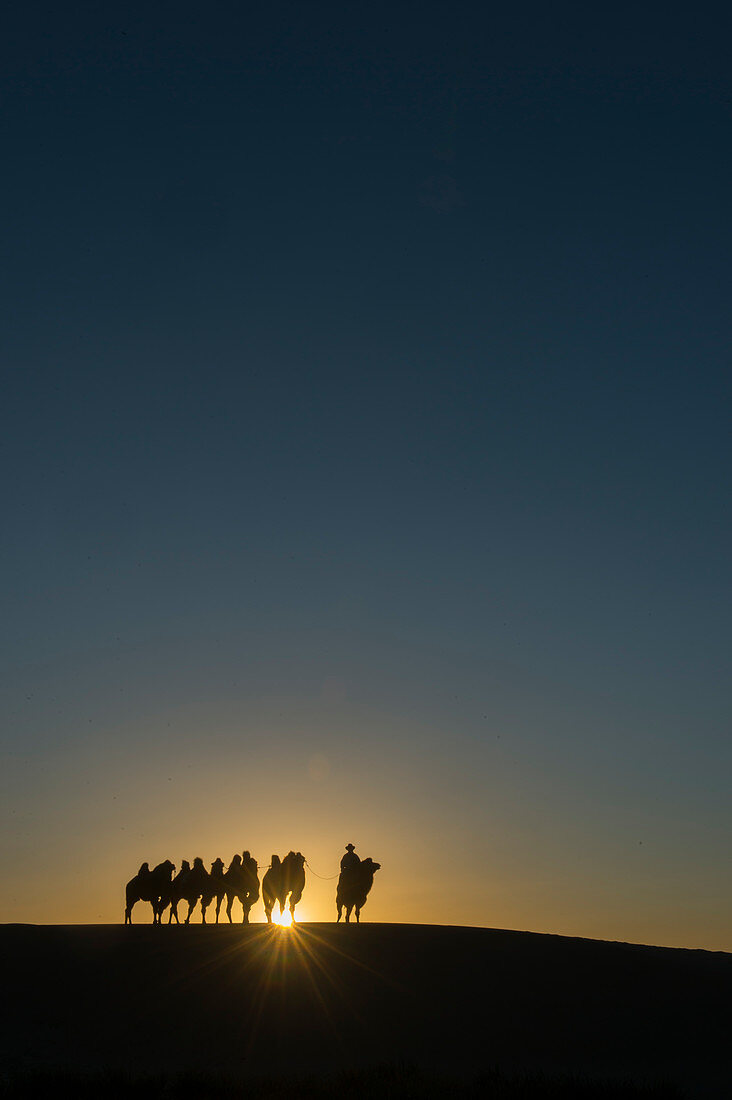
column 283, row 920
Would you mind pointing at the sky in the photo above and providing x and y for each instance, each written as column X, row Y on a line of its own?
column 366, row 458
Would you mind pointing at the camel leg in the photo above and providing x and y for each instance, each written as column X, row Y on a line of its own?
column 218, row 907
column 358, row 914
column 340, row 913
column 191, row 905
column 229, row 903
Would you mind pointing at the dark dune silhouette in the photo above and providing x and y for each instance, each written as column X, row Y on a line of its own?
column 249, row 1000
column 354, row 884
column 152, row 886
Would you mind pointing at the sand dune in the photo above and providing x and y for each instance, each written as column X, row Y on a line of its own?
column 241, row 1000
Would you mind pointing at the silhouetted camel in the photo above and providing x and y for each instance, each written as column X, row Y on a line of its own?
column 189, row 886
column 149, row 886
column 242, row 882
column 354, row 884
column 271, row 887
column 214, row 888
column 293, row 879
column 283, row 879
column 174, row 893
column 249, row 864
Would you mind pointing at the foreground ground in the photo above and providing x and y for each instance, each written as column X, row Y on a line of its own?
column 455, row 1003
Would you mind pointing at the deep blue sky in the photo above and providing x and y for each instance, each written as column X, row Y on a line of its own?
column 365, row 436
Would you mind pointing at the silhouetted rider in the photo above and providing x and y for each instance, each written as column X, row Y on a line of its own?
column 350, row 863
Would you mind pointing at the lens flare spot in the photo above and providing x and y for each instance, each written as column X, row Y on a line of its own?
column 283, row 920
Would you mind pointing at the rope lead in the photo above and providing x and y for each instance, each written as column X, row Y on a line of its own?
column 325, row 878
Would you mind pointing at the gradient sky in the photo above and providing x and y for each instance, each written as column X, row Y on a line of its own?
column 366, row 456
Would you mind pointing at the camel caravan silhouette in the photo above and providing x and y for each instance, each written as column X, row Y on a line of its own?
column 283, row 884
